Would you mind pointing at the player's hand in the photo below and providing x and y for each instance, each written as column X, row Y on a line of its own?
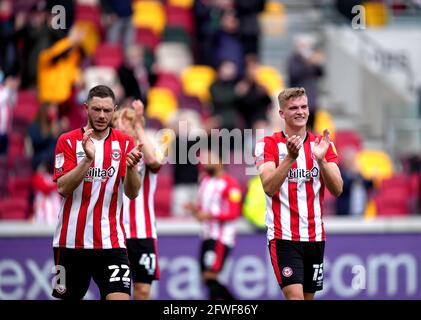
column 294, row 145
column 134, row 156
column 87, row 144
column 321, row 145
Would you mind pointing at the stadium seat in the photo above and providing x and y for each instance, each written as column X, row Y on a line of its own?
column 170, row 81
column 95, row 75
column 88, row 13
column 16, row 144
column 347, row 138
column 273, row 20
column 269, row 78
column 24, row 113
column 161, row 104
column 180, row 17
column 109, row 55
column 324, row 120
column 392, row 202
column 376, row 14
column 172, row 57
column 375, row 165
column 192, row 103
column 187, row 4
column 14, row 208
column 147, row 38
column 196, row 81
column 149, row 14
column 163, row 197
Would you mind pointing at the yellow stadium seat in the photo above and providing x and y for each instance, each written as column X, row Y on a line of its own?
column 270, row 78
column 161, row 104
column 196, row 81
column 374, row 164
column 376, row 14
column 149, row 14
column 274, row 7
column 323, row 120
column 187, row 4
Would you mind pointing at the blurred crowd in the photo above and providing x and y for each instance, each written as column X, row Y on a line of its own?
column 51, row 56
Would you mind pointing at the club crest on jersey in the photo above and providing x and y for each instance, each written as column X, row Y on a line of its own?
column 59, row 160
column 116, row 154
column 296, row 175
column 287, row 272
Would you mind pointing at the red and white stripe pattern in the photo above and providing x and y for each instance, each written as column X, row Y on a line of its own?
column 215, row 196
column 91, row 217
column 139, row 213
column 296, row 211
column 6, row 104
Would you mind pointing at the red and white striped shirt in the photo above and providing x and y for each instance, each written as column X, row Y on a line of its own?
column 91, row 217
column 139, row 213
column 295, row 212
column 221, row 197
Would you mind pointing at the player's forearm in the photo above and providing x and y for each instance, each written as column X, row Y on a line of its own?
column 71, row 180
column 274, row 181
column 131, row 183
column 331, row 177
column 149, row 155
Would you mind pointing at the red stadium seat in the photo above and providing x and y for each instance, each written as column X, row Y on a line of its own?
column 347, row 138
column 180, row 17
column 14, row 208
column 24, row 113
column 170, row 81
column 146, row 37
column 88, row 13
column 109, row 55
column 392, row 202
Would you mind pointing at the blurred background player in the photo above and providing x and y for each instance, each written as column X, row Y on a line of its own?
column 295, row 166
column 217, row 208
column 94, row 166
column 139, row 213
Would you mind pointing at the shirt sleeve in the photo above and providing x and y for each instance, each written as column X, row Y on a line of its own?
column 65, row 158
column 265, row 151
column 332, row 154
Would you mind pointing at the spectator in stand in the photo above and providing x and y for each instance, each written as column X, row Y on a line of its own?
column 356, row 189
column 117, row 18
column 58, row 68
column 35, row 34
column 249, row 25
column 253, row 100
column 305, row 67
column 46, row 198
column 9, row 61
column 43, row 133
column 226, row 42
column 133, row 75
column 223, row 97
column 7, row 101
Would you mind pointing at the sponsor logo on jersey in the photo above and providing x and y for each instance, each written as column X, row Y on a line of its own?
column 99, row 174
column 287, row 272
column 303, row 174
column 80, row 154
column 282, row 156
column 116, row 154
column 234, row 195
